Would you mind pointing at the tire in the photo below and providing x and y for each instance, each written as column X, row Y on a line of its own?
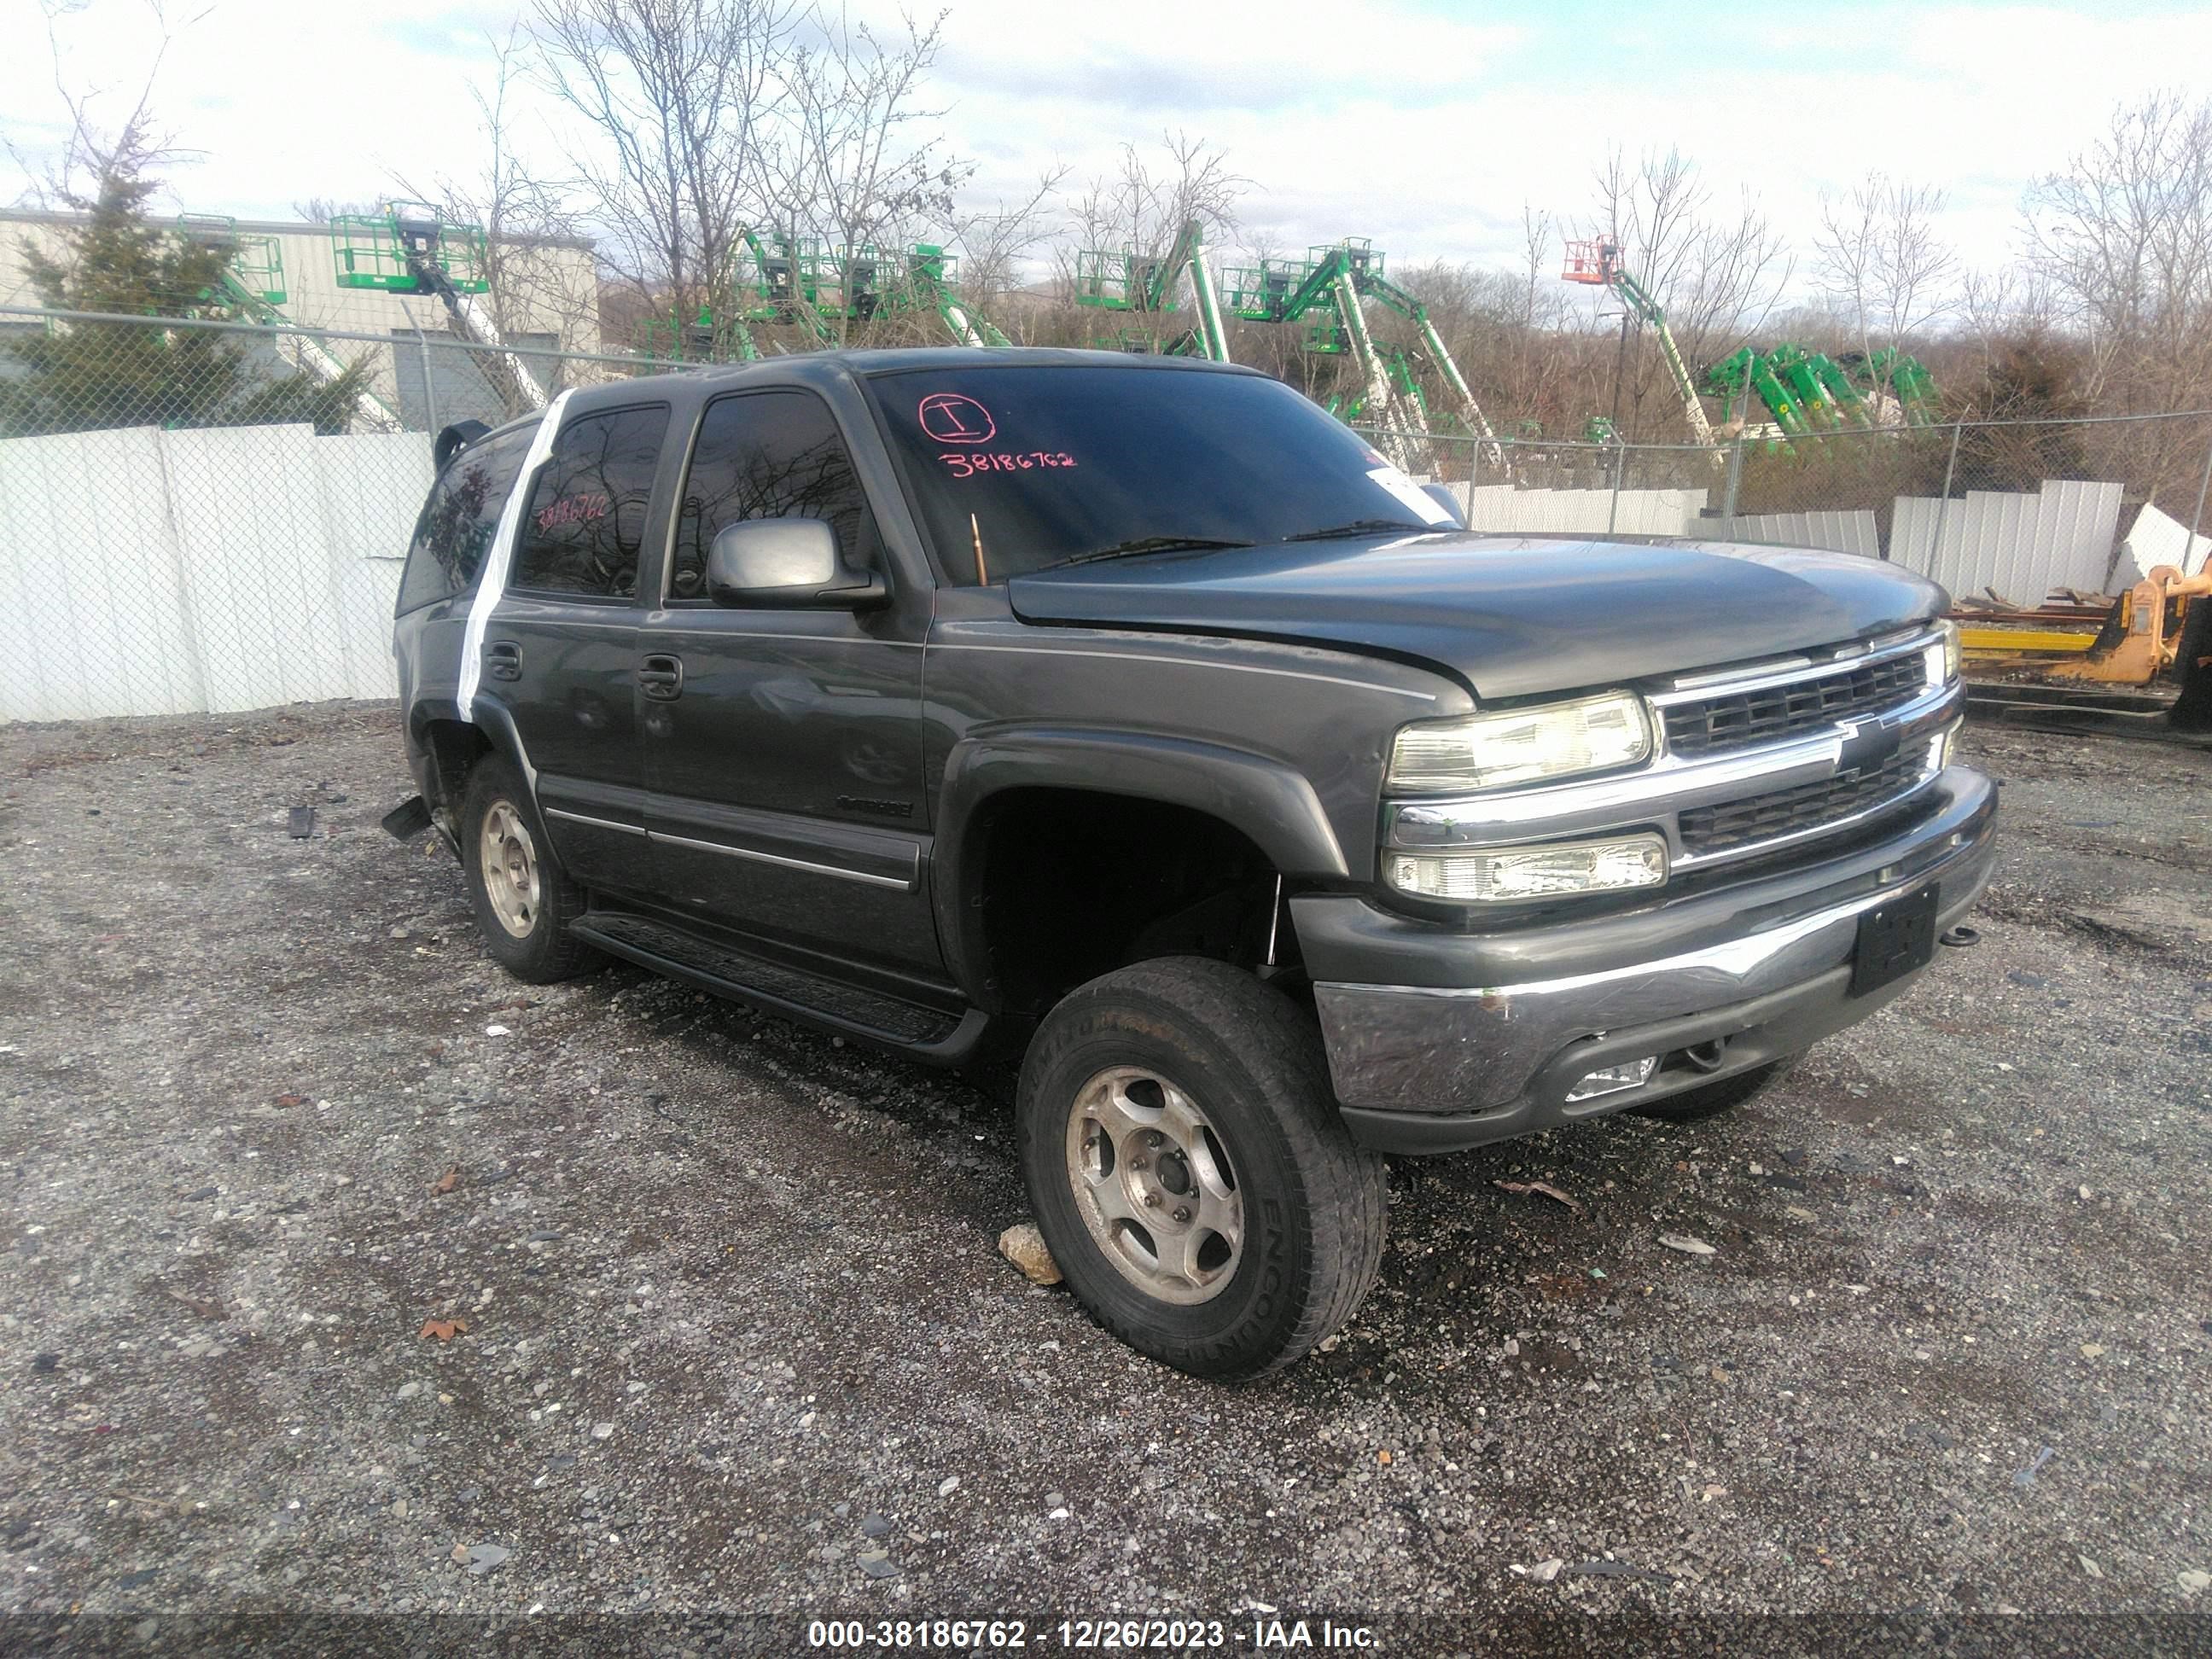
column 525, row 902
column 1710, row 1100
column 1282, row 1234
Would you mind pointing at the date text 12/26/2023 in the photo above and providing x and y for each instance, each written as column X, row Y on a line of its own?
column 1086, row 1635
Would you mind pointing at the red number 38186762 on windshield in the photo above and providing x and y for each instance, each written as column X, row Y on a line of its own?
column 967, row 465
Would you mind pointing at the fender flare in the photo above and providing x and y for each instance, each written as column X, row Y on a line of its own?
column 492, row 718
column 1271, row 802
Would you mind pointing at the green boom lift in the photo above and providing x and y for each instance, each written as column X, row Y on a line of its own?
column 704, row 339
column 1127, row 281
column 1808, row 392
column 1837, row 383
column 1334, row 280
column 786, row 278
column 933, row 280
column 1261, row 294
column 1372, row 283
column 1820, row 387
column 773, row 278
column 1901, row 377
column 1597, row 260
column 410, row 248
column 253, row 285
column 1726, row 378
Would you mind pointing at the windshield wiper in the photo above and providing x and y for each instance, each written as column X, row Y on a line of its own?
column 1357, row 528
column 1147, row 544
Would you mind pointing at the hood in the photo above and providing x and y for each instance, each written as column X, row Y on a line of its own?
column 1513, row 616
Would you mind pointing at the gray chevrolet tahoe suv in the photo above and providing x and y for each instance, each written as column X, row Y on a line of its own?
column 1136, row 718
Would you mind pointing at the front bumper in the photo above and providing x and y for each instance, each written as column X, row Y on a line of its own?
column 1440, row 1041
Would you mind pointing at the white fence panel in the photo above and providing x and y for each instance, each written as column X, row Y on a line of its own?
column 2159, row 538
column 1911, row 532
column 210, row 571
column 373, row 486
column 1838, row 532
column 93, row 617
column 260, row 579
column 1501, row 508
column 2083, row 540
column 2021, row 546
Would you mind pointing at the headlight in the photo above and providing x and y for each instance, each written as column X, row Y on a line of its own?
column 1520, row 745
column 1944, row 655
column 1505, row 875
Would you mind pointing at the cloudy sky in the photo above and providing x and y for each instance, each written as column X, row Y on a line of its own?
column 1423, row 123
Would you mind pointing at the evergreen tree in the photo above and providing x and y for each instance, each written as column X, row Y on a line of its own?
column 81, row 376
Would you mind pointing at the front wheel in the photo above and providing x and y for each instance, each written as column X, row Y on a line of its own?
column 1190, row 1170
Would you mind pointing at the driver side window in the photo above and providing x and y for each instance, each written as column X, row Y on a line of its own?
column 586, row 520
column 769, row 455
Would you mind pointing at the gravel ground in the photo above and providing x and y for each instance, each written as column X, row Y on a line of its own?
column 729, row 1329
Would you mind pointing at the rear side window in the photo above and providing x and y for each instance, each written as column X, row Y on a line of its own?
column 769, row 455
column 586, row 518
column 459, row 520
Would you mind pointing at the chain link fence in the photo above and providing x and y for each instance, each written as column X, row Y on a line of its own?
column 212, row 516
column 2002, row 513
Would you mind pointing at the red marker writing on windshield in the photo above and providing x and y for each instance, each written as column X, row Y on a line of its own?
column 953, row 419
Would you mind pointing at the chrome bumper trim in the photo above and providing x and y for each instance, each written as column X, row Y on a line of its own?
column 1473, row 1048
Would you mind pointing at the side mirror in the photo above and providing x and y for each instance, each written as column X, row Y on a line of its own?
column 787, row 564
column 1446, row 497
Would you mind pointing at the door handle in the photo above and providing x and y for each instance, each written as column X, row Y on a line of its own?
column 662, row 678
column 503, row 659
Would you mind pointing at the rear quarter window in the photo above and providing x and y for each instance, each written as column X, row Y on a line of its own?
column 454, row 529
column 585, row 530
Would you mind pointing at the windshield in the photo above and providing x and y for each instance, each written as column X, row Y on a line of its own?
column 1046, row 463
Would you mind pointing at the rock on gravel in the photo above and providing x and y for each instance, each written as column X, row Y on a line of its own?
column 1024, row 1245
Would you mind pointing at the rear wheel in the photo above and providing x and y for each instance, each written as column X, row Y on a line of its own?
column 523, row 899
column 1189, row 1171
column 1711, row 1099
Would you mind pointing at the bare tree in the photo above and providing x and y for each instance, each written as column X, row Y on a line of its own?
column 864, row 168
column 682, row 97
column 1881, row 258
column 1716, row 273
column 322, row 209
column 1143, row 204
column 1546, row 376
column 534, row 230
column 2123, row 237
column 72, row 175
column 1989, row 303
column 993, row 242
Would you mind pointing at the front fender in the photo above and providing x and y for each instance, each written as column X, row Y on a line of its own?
column 1271, row 804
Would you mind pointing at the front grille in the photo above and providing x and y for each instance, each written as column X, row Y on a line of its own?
column 1709, row 829
column 1736, row 719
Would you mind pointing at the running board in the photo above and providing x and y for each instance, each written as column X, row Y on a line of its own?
column 925, row 1034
